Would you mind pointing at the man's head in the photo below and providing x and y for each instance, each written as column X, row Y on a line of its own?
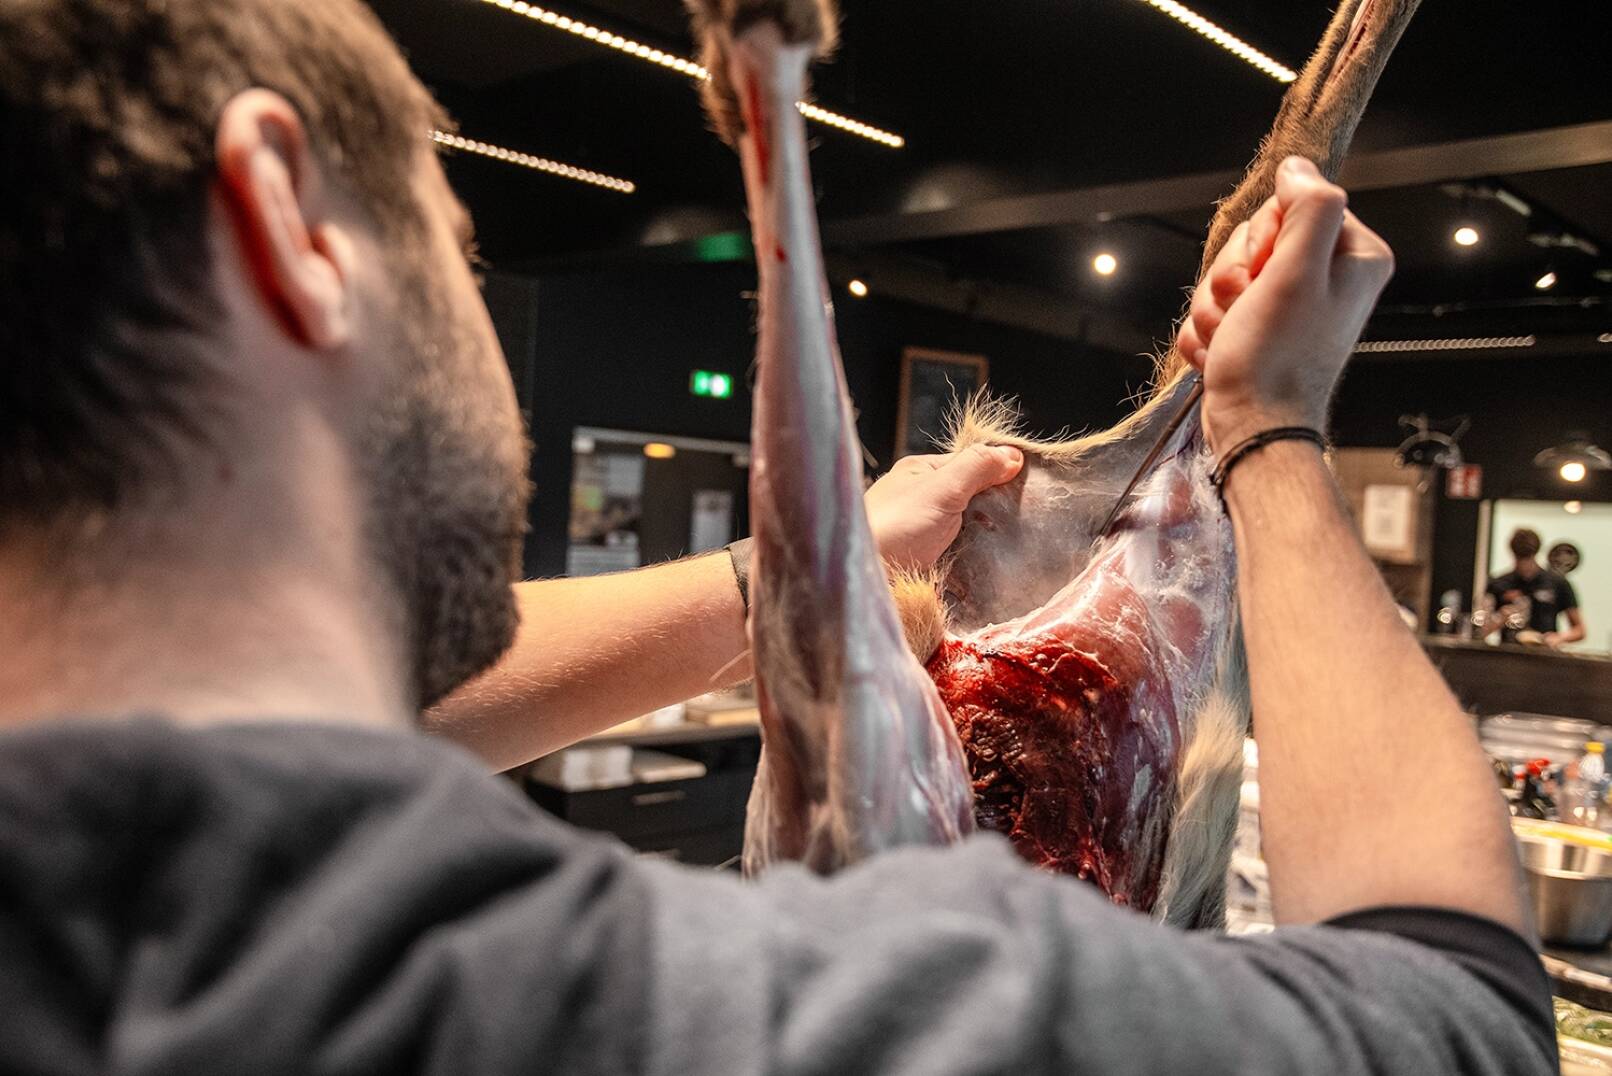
column 1524, row 544
column 223, row 227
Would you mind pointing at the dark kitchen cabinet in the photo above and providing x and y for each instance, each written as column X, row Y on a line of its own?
column 697, row 821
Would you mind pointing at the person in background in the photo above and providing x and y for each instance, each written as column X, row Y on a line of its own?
column 1525, row 604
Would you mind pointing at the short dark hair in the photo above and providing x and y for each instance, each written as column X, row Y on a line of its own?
column 108, row 115
column 1524, row 543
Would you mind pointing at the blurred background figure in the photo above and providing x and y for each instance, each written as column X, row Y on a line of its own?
column 1529, row 600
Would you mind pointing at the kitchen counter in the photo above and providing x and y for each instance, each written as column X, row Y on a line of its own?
column 684, row 732
column 1527, row 679
column 698, row 819
column 1450, row 642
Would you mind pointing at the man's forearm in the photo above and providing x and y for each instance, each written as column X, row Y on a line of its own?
column 1373, row 788
column 594, row 652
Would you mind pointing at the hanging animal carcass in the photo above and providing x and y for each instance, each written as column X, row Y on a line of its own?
column 1079, row 692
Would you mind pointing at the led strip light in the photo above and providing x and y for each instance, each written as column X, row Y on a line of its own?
column 845, row 123
column 537, row 164
column 1470, row 343
column 683, row 66
column 1225, row 39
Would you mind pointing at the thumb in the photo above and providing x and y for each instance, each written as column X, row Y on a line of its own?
column 979, row 467
column 1312, row 216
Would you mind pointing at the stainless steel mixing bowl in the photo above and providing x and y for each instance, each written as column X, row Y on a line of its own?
column 1571, row 888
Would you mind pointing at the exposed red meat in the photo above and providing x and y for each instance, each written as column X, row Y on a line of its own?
column 1073, row 717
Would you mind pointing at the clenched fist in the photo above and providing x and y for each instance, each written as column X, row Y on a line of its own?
column 1278, row 314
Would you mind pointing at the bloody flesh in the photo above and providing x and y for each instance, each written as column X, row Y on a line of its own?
column 1071, row 742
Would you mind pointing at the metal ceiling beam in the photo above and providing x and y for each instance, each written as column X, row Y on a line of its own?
column 900, row 277
column 1498, row 155
column 1003, row 304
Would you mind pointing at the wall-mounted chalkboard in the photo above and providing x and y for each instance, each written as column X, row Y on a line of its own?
column 932, row 382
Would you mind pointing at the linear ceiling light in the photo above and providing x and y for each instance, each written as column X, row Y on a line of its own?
column 850, row 126
column 1470, row 343
column 684, row 66
column 1228, row 41
column 538, row 164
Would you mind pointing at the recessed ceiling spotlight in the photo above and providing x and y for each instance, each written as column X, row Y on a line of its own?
column 683, row 66
column 1105, row 264
column 857, row 288
column 1466, row 236
column 1546, row 282
column 1226, row 40
column 1574, row 458
column 1573, row 508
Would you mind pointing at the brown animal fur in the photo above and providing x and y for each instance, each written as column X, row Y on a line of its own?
column 803, row 22
column 1317, row 119
column 922, row 613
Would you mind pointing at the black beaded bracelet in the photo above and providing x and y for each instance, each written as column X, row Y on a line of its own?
column 1217, row 477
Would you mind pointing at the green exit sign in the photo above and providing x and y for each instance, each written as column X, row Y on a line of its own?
column 712, row 384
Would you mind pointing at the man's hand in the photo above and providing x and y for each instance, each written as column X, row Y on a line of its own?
column 1279, row 312
column 917, row 509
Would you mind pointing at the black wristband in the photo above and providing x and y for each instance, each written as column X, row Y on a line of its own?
column 739, row 554
column 1217, row 477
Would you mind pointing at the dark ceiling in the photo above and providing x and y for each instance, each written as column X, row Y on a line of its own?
column 1031, row 96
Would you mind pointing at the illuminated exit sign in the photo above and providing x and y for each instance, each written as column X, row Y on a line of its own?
column 709, row 383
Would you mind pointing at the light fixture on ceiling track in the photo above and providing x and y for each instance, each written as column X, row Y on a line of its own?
column 684, row 66
column 1465, row 343
column 1225, row 39
column 537, row 164
column 1427, row 446
column 1544, row 229
column 1546, row 281
column 1574, row 458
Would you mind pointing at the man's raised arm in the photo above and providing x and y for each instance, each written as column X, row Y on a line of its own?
column 594, row 652
column 1338, row 683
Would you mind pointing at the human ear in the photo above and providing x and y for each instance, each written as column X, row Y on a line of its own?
column 277, row 197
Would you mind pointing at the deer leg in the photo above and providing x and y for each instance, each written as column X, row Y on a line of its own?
column 1317, row 118
column 858, row 752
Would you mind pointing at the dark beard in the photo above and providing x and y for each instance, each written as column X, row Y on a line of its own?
column 445, row 460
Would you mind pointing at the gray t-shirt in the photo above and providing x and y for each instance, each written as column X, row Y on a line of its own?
column 290, row 898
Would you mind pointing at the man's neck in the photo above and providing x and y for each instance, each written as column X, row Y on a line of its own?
column 292, row 635
column 1527, row 569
